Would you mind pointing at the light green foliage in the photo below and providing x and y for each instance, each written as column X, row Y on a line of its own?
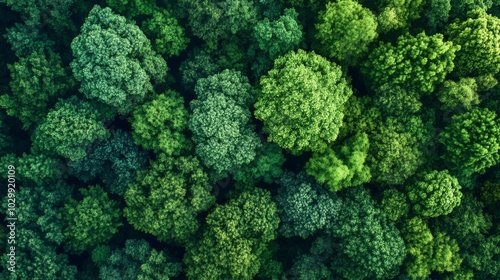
column 434, row 194
column 486, row 82
column 36, row 80
column 216, row 20
column 446, row 255
column 342, row 166
column 220, row 122
column 398, row 14
column 370, row 246
column 166, row 198
column 115, row 161
column 479, row 38
column 167, row 36
column 392, row 100
column 92, row 220
column 395, row 149
column 266, row 166
column 461, row 94
column 345, row 30
column 360, row 116
column 304, row 206
column 418, row 239
column 236, row 240
column 302, row 102
column 472, row 141
column 394, row 204
column 26, row 39
column 278, row 37
column 81, row 128
column 415, row 63
column 437, row 13
column 160, row 124
column 137, row 260
column 114, row 61
column 37, row 259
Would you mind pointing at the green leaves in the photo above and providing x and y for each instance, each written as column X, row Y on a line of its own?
column 92, row 220
column 167, row 197
column 302, row 102
column 69, row 129
column 415, row 62
column 472, row 141
column 345, row 29
column 434, row 194
column 114, row 62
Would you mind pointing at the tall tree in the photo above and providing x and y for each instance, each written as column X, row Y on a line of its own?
column 302, row 102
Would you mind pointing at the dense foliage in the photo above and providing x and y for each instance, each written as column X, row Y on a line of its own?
column 286, row 139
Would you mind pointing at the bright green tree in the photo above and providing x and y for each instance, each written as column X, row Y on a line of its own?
column 220, row 122
column 160, row 124
column 472, row 141
column 461, row 94
column 343, row 166
column 434, row 194
column 394, row 204
column 166, row 198
column 345, row 29
column 36, row 80
column 114, row 61
column 69, row 129
column 236, row 240
column 92, row 220
column 479, row 37
column 302, row 102
column 414, row 62
column 398, row 14
column 304, row 206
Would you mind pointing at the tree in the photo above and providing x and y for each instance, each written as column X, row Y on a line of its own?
column 236, row 239
column 220, row 122
column 114, row 61
column 392, row 100
column 199, row 64
column 92, row 220
column 115, row 161
column 160, row 124
column 36, row 80
column 459, row 8
column 415, row 62
column 82, row 127
column 26, row 39
column 304, row 206
column 394, row 204
column 437, row 13
column 165, row 199
column 266, row 166
column 472, row 141
column 370, row 247
column 434, row 194
column 214, row 20
column 479, row 38
column 345, row 30
column 398, row 14
column 461, row 94
column 302, row 102
column 137, row 260
column 38, row 168
column 343, row 166
column 166, row 34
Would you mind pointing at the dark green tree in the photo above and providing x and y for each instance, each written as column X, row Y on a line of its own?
column 36, row 80
column 304, row 206
column 302, row 102
column 114, row 61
